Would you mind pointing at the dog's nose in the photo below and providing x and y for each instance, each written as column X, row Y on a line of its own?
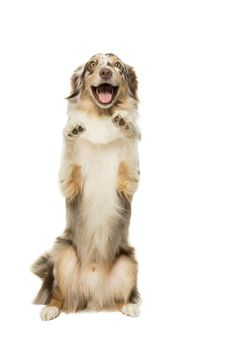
column 105, row 73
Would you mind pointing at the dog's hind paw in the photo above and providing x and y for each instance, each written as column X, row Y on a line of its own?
column 75, row 130
column 131, row 310
column 49, row 313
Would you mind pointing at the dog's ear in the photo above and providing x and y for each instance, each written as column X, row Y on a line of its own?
column 77, row 79
column 132, row 81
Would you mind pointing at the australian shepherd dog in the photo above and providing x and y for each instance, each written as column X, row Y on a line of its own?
column 91, row 265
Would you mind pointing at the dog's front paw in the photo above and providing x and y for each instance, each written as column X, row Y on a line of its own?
column 121, row 122
column 72, row 131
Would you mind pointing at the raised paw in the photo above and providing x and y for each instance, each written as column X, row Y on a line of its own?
column 130, row 310
column 121, row 122
column 74, row 130
column 49, row 313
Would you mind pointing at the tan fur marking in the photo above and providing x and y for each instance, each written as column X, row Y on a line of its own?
column 72, row 185
column 127, row 182
column 57, row 299
column 67, row 268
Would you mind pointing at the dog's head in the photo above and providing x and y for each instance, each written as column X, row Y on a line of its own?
column 105, row 81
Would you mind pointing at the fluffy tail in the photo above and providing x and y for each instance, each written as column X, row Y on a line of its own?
column 43, row 268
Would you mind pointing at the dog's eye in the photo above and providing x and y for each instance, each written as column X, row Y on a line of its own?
column 93, row 64
column 118, row 65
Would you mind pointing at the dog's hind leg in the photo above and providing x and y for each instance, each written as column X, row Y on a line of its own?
column 48, row 294
column 52, row 310
column 132, row 307
column 122, row 284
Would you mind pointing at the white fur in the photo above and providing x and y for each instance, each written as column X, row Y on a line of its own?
column 104, row 60
column 131, row 310
column 49, row 313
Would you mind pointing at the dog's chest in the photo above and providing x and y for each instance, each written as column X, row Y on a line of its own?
column 99, row 166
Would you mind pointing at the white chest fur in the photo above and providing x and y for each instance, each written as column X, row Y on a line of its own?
column 99, row 166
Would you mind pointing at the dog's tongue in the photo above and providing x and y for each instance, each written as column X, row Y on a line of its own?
column 105, row 92
column 105, row 96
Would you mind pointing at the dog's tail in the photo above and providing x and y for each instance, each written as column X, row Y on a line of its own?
column 43, row 268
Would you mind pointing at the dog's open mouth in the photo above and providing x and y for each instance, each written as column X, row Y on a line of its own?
column 104, row 93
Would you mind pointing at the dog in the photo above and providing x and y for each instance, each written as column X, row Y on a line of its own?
column 91, row 265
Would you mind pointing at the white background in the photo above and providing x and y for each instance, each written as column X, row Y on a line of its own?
column 182, row 216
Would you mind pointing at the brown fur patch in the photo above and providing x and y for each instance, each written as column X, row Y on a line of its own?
column 57, row 299
column 132, row 81
column 43, row 267
column 127, row 182
column 76, row 82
